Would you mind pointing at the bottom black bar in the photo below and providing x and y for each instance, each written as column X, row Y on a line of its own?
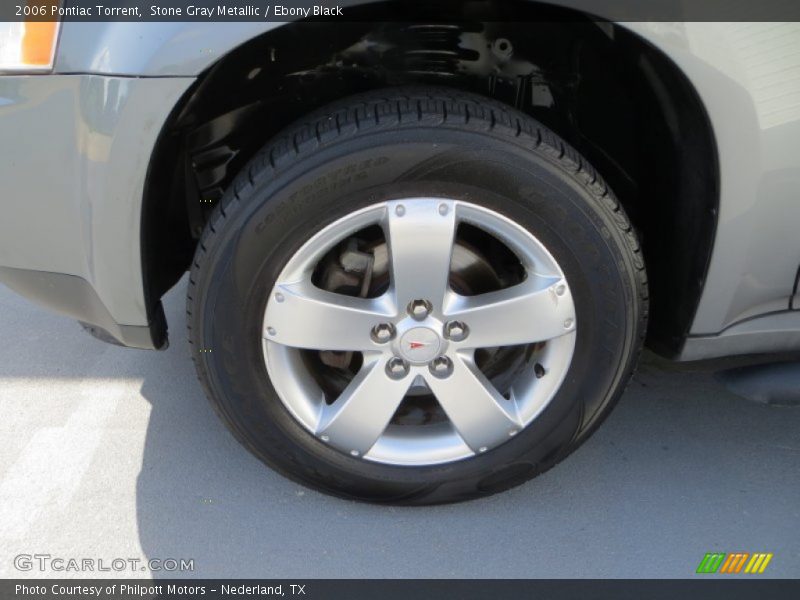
column 412, row 589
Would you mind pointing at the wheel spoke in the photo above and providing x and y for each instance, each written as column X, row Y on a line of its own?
column 420, row 237
column 522, row 314
column 479, row 413
column 358, row 417
column 311, row 318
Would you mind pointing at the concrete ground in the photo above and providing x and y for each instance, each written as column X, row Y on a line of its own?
column 114, row 453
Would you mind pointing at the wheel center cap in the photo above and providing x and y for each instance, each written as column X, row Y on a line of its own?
column 420, row 345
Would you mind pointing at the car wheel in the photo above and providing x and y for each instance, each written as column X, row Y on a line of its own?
column 416, row 296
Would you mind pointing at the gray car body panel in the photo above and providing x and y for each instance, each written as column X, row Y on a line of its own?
column 745, row 75
column 76, row 151
column 748, row 77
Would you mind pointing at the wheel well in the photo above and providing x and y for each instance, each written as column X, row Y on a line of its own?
column 619, row 101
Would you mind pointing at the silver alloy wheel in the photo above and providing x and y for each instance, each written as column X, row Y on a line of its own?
column 419, row 334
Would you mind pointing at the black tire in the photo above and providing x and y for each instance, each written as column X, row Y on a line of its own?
column 394, row 143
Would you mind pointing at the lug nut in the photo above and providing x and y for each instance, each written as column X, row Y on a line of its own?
column 396, row 368
column 383, row 333
column 456, row 331
column 419, row 309
column 441, row 367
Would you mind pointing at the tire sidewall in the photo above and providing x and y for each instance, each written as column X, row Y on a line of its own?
column 280, row 212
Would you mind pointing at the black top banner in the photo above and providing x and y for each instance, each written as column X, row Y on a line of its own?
column 400, row 10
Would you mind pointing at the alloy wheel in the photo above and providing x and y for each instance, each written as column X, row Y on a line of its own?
column 418, row 328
